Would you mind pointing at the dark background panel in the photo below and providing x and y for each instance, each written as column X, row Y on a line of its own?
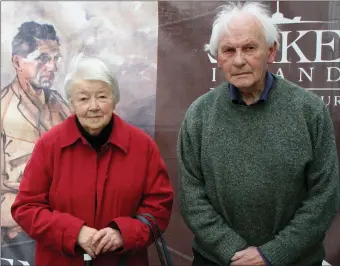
column 185, row 72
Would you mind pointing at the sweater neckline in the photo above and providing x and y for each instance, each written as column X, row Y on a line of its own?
column 255, row 107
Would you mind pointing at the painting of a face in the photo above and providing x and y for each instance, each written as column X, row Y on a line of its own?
column 40, row 66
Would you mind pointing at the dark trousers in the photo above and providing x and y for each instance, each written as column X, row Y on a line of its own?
column 199, row 260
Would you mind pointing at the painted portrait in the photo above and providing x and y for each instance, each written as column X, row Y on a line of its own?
column 38, row 45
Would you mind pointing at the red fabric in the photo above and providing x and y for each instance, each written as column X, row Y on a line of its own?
column 64, row 178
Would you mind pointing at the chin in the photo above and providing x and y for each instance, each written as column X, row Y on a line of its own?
column 94, row 131
column 97, row 126
column 243, row 84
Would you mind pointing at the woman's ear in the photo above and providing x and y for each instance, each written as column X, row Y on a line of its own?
column 70, row 105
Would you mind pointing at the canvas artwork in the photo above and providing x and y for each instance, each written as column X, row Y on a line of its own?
column 38, row 43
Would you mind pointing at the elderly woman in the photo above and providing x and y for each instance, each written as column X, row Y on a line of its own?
column 89, row 177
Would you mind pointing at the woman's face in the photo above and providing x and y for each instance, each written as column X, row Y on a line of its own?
column 93, row 103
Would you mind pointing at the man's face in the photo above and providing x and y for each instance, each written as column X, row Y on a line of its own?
column 40, row 66
column 244, row 55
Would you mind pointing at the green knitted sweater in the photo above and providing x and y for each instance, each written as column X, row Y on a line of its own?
column 264, row 175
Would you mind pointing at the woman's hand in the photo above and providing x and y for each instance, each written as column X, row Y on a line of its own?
column 85, row 239
column 107, row 239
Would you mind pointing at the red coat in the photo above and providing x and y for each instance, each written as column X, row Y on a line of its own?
column 64, row 178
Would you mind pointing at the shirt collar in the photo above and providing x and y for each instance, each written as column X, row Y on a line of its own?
column 235, row 93
column 120, row 135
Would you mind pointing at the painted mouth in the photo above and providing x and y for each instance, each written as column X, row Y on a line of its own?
column 47, row 78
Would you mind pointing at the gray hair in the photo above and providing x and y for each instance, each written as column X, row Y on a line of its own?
column 90, row 68
column 229, row 11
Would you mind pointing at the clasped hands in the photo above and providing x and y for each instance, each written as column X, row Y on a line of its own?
column 95, row 241
column 247, row 257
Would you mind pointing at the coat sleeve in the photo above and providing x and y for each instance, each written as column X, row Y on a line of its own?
column 311, row 221
column 50, row 228
column 211, row 230
column 157, row 200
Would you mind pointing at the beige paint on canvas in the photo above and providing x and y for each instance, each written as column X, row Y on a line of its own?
column 123, row 34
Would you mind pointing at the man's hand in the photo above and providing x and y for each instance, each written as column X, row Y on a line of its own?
column 247, row 257
column 107, row 239
column 84, row 240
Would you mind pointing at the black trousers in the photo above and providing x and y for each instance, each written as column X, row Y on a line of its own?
column 199, row 260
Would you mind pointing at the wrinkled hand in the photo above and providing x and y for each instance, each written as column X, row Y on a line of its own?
column 107, row 239
column 249, row 256
column 85, row 238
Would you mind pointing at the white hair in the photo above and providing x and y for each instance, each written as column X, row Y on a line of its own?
column 90, row 68
column 231, row 10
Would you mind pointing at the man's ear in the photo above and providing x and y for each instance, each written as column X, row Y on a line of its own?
column 219, row 63
column 272, row 53
column 17, row 62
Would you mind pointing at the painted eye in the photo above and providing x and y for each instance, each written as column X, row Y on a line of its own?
column 57, row 58
column 44, row 59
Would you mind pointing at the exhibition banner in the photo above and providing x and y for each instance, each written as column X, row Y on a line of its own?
column 156, row 50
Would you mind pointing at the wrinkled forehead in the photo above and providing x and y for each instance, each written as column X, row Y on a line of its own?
column 247, row 27
column 48, row 47
column 90, row 86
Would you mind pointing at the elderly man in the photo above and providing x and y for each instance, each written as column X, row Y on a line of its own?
column 258, row 166
column 28, row 109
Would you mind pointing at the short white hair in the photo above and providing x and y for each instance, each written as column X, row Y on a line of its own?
column 90, row 68
column 231, row 10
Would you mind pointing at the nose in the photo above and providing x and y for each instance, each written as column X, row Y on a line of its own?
column 238, row 59
column 93, row 104
column 51, row 65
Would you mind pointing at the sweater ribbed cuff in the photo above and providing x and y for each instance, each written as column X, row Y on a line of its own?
column 222, row 252
column 276, row 254
column 238, row 245
column 266, row 261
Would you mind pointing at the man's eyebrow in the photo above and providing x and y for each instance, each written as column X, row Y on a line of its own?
column 247, row 43
column 41, row 54
column 250, row 43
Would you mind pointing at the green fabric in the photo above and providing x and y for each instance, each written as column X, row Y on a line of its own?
column 264, row 175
